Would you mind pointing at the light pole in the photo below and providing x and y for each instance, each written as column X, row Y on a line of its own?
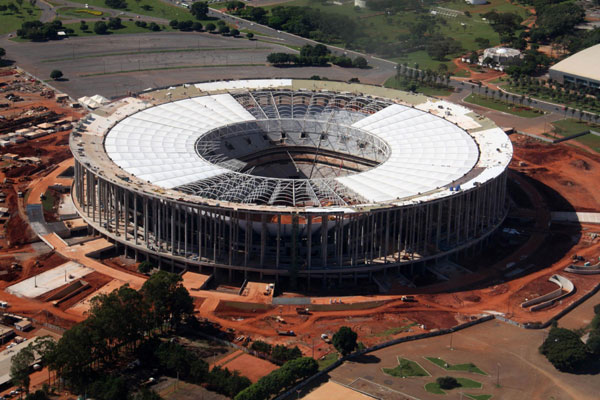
column 498, row 376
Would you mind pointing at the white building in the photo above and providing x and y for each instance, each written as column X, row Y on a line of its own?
column 501, row 55
column 580, row 68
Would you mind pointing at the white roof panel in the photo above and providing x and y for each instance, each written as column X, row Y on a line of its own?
column 157, row 144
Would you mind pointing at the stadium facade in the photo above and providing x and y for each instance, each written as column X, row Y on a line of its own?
column 279, row 178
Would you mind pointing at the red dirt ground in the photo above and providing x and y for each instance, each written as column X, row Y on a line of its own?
column 249, row 366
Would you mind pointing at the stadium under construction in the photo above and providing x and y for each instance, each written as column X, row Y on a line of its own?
column 279, row 178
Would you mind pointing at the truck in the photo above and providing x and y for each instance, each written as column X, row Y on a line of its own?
column 286, row 333
column 303, row 310
column 408, row 299
column 325, row 338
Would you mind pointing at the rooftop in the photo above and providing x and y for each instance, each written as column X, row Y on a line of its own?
column 581, row 64
column 425, row 145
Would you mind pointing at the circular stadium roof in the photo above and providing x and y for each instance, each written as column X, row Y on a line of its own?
column 415, row 151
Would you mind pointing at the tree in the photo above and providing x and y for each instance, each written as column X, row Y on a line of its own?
column 169, row 301
column 344, row 340
column 83, row 26
column 20, row 3
column 197, row 26
column 447, row 382
column 116, row 3
column 19, row 368
column 199, row 9
column 2, row 53
column 235, row 32
column 100, row 28
column 56, row 74
column 210, row 27
column 224, row 30
column 360, row 62
column 114, row 23
column 147, row 394
column 250, row 35
column 564, row 349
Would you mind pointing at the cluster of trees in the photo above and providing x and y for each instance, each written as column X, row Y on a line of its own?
column 581, row 95
column 153, row 26
column 554, row 19
column 395, row 6
column 199, row 9
column 176, row 361
column 280, row 379
column 318, row 55
column 37, row 31
column 533, row 63
column 189, row 25
column 117, row 325
column 120, row 4
column 567, row 352
column 305, row 21
column 186, row 26
column 279, row 354
column 409, row 79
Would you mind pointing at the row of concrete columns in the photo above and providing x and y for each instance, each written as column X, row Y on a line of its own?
column 261, row 239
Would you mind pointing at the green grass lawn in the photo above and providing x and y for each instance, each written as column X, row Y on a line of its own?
column 328, row 360
column 464, row 383
column 434, row 388
column 469, row 383
column 406, row 368
column 386, row 28
column 479, row 396
column 568, row 127
column 78, row 12
column 48, row 202
column 10, row 22
column 469, row 367
column 500, row 105
column 158, row 8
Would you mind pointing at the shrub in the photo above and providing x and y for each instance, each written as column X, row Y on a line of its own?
column 261, row 347
column 145, row 267
column 56, row 74
column 597, row 309
column 100, row 28
column 344, row 340
column 564, row 349
column 281, row 353
column 447, row 382
column 116, row 3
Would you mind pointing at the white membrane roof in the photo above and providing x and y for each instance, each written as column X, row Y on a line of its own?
column 157, row 144
column 428, row 153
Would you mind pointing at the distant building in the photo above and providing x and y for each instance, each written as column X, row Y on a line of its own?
column 502, row 55
column 360, row 3
column 580, row 68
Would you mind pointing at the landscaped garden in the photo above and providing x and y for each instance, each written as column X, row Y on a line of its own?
column 468, row 367
column 406, row 368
